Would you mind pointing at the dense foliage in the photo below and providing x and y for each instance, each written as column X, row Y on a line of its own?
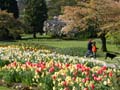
column 11, row 6
column 100, row 17
column 10, row 28
column 55, row 6
column 35, row 15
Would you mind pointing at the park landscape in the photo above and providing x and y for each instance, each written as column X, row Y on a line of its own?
column 43, row 44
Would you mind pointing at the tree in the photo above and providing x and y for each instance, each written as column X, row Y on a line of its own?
column 35, row 15
column 103, row 16
column 11, row 6
column 55, row 6
column 107, row 13
column 21, row 4
column 10, row 28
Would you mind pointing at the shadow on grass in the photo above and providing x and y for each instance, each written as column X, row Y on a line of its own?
column 39, row 37
column 114, row 52
column 73, row 51
column 7, row 42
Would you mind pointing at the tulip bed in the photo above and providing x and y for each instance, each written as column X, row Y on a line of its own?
column 36, row 69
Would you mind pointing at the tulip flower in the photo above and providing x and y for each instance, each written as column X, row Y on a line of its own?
column 110, row 74
column 92, row 86
column 51, row 69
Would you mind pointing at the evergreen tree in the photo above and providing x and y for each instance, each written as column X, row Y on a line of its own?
column 35, row 15
column 55, row 6
column 11, row 6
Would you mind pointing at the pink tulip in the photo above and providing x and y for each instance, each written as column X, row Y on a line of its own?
column 84, row 80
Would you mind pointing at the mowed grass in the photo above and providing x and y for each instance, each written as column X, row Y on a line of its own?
column 67, row 47
column 5, row 88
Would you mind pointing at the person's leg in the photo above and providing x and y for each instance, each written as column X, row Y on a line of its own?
column 87, row 53
column 90, row 53
column 94, row 54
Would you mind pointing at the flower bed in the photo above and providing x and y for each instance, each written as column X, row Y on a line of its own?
column 50, row 71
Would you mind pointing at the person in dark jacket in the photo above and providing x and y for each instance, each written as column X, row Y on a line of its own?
column 89, row 49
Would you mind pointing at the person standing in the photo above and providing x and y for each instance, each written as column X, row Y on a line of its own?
column 94, row 49
column 89, row 48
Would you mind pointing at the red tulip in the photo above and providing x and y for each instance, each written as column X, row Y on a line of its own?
column 75, row 73
column 74, row 78
column 67, row 65
column 84, row 80
column 104, row 68
column 78, row 66
column 87, row 69
column 65, row 83
column 51, row 69
column 92, row 86
column 60, row 66
column 95, row 78
column 93, row 75
column 57, row 64
column 87, row 78
column 100, row 71
column 14, row 63
column 53, row 77
column 66, row 88
column 110, row 74
column 41, row 65
column 38, row 70
column 28, row 63
column 99, row 79
column 87, row 73
column 83, row 69
column 85, row 89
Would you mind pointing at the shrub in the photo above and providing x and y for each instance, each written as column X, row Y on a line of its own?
column 10, row 28
column 114, row 38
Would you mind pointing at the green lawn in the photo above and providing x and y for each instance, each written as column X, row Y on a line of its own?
column 5, row 88
column 68, row 47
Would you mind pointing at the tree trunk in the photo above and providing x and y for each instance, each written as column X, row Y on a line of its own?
column 103, row 39
column 34, row 34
